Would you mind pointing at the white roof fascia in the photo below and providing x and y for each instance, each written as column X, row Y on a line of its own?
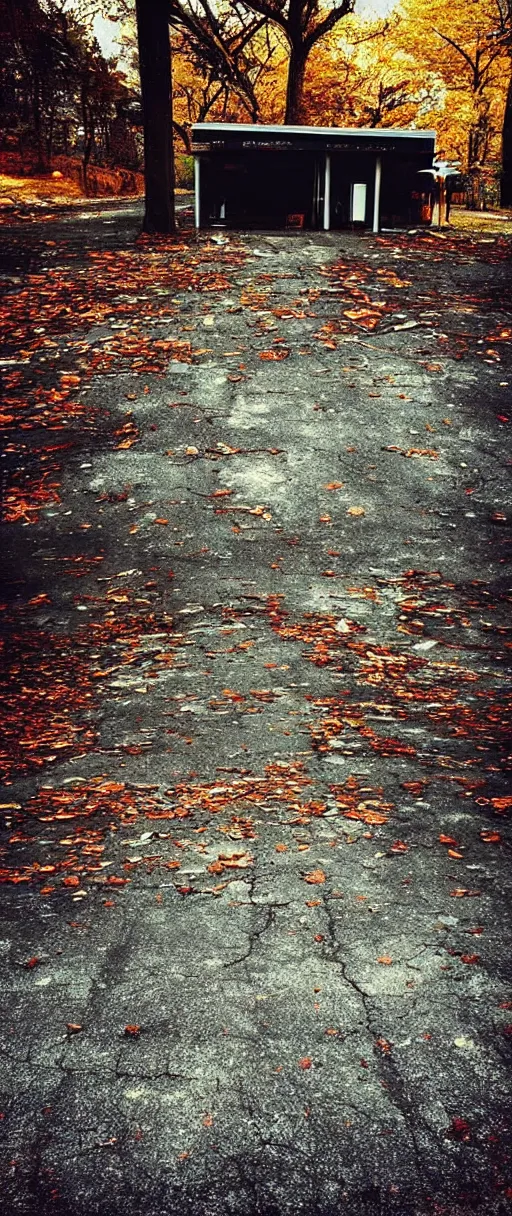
column 375, row 132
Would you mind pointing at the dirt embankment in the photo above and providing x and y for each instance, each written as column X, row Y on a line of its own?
column 101, row 182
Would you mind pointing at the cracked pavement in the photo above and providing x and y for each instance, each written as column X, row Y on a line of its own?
column 255, row 869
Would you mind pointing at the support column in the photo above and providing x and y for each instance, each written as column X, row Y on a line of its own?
column 376, row 194
column 197, row 192
column 327, row 194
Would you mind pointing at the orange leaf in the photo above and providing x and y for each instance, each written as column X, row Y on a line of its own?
column 315, row 876
column 502, row 804
column 305, row 1063
column 384, row 1045
column 231, row 861
column 278, row 354
column 132, row 1031
column 385, row 959
column 371, row 817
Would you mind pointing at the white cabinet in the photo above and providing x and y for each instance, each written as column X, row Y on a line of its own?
column 358, row 202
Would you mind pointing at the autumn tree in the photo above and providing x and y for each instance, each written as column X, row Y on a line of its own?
column 221, row 42
column 455, row 42
column 38, row 74
column 302, row 24
column 222, row 52
column 200, row 92
column 362, row 76
column 58, row 94
column 502, row 36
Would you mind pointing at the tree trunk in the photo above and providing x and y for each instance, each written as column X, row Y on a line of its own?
column 155, row 83
column 87, row 145
column 506, row 181
column 42, row 163
column 49, row 137
column 475, row 196
column 295, row 85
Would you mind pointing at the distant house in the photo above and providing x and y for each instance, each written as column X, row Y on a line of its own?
column 310, row 177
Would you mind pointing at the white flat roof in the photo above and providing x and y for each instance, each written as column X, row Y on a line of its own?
column 376, row 132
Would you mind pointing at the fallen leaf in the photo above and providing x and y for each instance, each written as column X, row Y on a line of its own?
column 384, row 1045
column 356, row 511
column 315, row 876
column 385, row 959
column 305, row 1062
column 502, row 804
column 459, row 1129
column 231, row 861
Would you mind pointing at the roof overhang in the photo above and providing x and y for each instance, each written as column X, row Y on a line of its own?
column 224, row 136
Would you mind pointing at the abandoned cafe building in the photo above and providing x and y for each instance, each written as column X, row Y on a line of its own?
column 270, row 177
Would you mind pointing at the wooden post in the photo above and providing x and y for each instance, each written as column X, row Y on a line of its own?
column 442, row 201
column 327, row 194
column 376, row 194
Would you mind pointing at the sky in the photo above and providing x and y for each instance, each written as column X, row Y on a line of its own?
column 106, row 32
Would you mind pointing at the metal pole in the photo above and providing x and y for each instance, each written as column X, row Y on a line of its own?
column 197, row 192
column 327, row 194
column 376, row 194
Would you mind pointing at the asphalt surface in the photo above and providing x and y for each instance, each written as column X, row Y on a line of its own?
column 255, row 872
